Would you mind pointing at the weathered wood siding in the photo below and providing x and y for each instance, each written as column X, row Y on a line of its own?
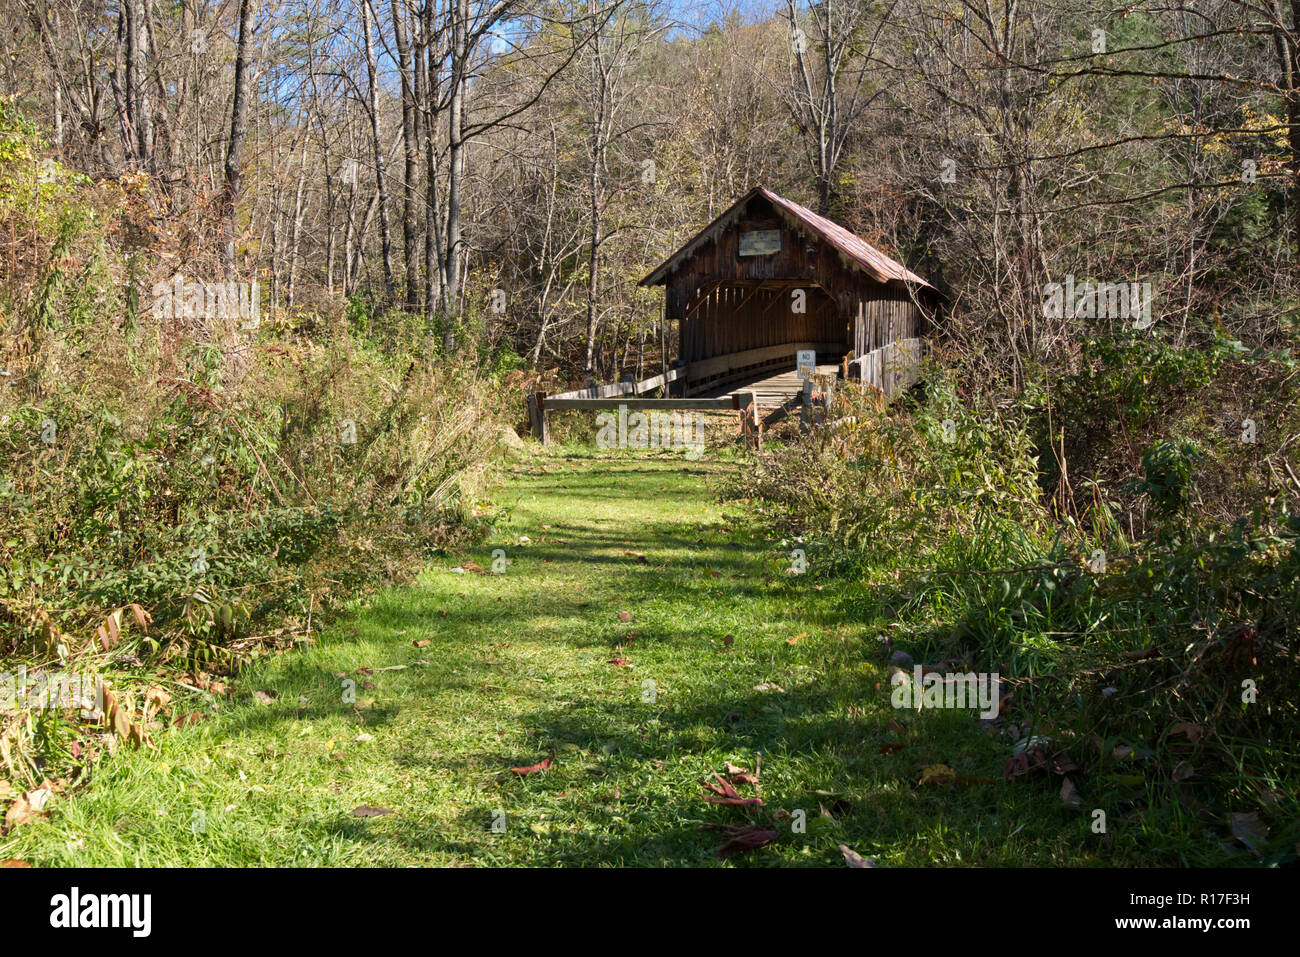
column 886, row 314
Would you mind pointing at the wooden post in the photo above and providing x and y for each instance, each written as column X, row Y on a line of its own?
column 537, row 417
column 745, row 402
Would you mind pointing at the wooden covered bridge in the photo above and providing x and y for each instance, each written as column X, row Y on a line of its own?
column 764, row 281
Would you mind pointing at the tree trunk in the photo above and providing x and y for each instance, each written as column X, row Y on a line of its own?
column 411, row 141
column 385, row 232
column 238, row 127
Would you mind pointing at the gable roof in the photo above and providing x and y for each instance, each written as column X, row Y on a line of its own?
column 856, row 253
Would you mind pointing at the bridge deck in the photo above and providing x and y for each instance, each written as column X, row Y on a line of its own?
column 774, row 391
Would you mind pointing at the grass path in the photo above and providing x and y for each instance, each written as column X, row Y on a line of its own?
column 518, row 667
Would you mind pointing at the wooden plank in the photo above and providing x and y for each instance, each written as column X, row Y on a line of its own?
column 623, row 388
column 721, row 402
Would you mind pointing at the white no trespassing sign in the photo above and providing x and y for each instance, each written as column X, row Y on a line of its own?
column 806, row 363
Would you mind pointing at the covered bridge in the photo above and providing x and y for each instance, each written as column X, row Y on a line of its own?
column 764, row 281
column 768, row 278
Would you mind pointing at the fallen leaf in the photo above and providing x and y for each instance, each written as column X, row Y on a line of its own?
column 13, row 862
column 739, row 775
column 542, row 765
column 1248, row 829
column 728, row 640
column 938, row 774
column 474, row 567
column 769, row 686
column 724, row 793
column 185, row 720
column 1070, row 794
column 795, row 639
column 265, row 697
column 1193, row 731
column 740, row 839
column 620, row 662
column 422, row 642
column 20, row 812
column 624, row 616
column 367, row 811
column 854, row 859
column 155, row 700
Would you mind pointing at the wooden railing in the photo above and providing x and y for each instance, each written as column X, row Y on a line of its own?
column 891, row 368
column 615, row 394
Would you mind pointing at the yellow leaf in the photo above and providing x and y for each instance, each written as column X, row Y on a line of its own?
column 938, row 774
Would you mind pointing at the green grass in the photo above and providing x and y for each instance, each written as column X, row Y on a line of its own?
column 517, row 668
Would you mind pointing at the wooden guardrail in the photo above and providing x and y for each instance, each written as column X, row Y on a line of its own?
column 624, row 394
column 538, row 401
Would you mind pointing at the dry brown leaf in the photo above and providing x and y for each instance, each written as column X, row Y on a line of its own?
column 155, row 701
column 724, row 793
column 422, row 642
column 624, row 616
column 112, row 623
column 542, row 765
column 21, row 812
column 118, row 718
column 1193, row 731
column 142, row 617
column 368, row 811
column 13, row 862
column 739, row 775
column 854, row 859
column 747, row 838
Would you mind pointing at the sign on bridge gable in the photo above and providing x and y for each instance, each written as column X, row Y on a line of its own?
column 760, row 242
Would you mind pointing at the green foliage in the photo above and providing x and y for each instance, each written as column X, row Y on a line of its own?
column 1167, row 469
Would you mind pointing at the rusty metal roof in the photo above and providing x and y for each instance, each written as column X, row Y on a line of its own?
column 855, row 252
